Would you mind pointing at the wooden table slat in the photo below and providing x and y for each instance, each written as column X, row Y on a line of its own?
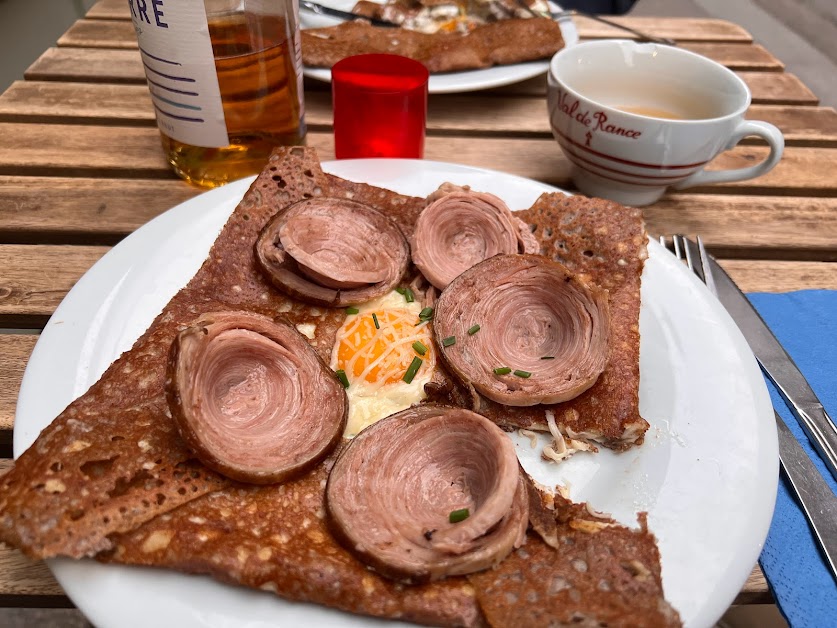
column 755, row 590
column 693, row 29
column 95, row 211
column 772, row 276
column 134, row 152
column 87, row 65
column 789, row 228
column 14, row 353
column 98, row 65
column 89, row 103
column 778, row 89
column 86, row 33
column 768, row 88
column 36, row 278
column 21, row 576
column 109, row 10
column 752, row 57
column 108, row 104
column 61, row 210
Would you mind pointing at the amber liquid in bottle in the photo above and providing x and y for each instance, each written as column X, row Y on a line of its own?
column 259, row 92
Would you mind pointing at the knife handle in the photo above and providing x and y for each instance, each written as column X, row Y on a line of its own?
column 812, row 491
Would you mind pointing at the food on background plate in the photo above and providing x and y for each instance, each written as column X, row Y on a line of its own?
column 498, row 43
column 112, row 478
column 447, row 16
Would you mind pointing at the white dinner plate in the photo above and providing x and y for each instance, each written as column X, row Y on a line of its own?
column 447, row 82
column 707, row 473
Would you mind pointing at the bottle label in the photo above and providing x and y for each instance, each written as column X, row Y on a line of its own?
column 179, row 65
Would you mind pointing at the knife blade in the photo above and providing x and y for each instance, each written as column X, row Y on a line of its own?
column 811, row 490
column 776, row 363
column 319, row 9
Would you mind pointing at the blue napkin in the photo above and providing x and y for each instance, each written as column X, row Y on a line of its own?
column 805, row 323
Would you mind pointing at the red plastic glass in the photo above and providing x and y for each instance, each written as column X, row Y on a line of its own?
column 380, row 106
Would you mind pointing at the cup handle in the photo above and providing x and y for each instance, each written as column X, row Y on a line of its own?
column 747, row 128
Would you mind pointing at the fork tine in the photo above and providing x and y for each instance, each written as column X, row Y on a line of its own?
column 677, row 243
column 693, row 259
column 686, row 251
column 694, row 255
column 708, row 279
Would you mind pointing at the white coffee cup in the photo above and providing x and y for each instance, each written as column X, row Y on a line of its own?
column 633, row 157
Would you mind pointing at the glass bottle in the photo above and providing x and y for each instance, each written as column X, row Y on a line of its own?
column 225, row 78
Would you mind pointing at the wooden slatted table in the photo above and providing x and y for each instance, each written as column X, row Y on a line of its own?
column 81, row 167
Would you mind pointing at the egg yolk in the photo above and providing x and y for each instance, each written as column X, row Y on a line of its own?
column 381, row 354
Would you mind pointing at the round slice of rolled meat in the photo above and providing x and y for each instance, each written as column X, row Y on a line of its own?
column 427, row 493
column 461, row 228
column 251, row 398
column 332, row 252
column 543, row 333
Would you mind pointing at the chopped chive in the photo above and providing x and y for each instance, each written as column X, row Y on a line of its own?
column 419, row 347
column 375, row 320
column 409, row 296
column 426, row 314
column 415, row 365
column 502, row 370
column 352, row 310
column 456, row 516
column 341, row 375
column 523, row 374
column 473, row 330
column 548, row 357
column 401, row 291
column 449, row 341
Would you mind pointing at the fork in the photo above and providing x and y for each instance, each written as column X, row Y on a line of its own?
column 811, row 490
column 559, row 16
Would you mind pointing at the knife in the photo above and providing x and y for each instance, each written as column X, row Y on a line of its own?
column 775, row 362
column 319, row 9
column 811, row 490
